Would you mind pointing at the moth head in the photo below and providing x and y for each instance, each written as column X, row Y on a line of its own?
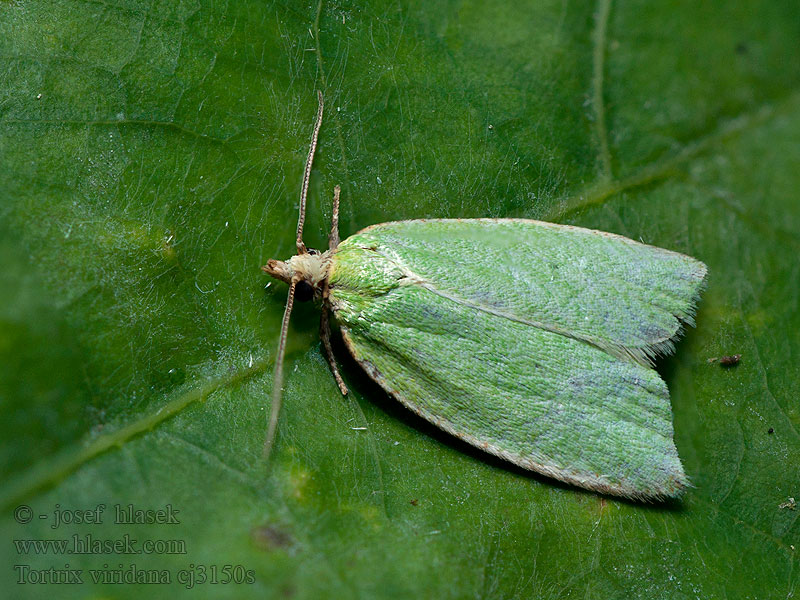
column 308, row 270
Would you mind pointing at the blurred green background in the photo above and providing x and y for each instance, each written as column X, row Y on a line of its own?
column 150, row 161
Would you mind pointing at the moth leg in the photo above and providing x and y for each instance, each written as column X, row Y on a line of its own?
column 333, row 238
column 325, row 334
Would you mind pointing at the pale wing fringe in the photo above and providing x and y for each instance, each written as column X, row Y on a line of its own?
column 648, row 354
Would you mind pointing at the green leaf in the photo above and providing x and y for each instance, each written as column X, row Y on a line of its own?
column 151, row 160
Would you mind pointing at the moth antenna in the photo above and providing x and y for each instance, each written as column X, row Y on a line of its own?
column 301, row 247
column 333, row 237
column 277, row 392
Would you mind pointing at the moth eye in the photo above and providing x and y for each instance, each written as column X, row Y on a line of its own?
column 313, row 252
column 303, row 292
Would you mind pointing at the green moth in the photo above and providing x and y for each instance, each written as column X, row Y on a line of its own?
column 530, row 340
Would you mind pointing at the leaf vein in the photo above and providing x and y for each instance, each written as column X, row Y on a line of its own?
column 50, row 471
column 662, row 168
column 598, row 105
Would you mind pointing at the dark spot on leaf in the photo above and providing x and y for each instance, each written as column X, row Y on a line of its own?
column 270, row 538
column 730, row 361
column 741, row 48
column 770, row 430
column 415, row 502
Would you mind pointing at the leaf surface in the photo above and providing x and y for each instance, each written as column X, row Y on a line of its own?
column 151, row 162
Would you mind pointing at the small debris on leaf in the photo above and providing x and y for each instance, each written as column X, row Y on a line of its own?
column 726, row 361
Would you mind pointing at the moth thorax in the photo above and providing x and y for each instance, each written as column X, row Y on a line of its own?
column 311, row 268
column 309, row 271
